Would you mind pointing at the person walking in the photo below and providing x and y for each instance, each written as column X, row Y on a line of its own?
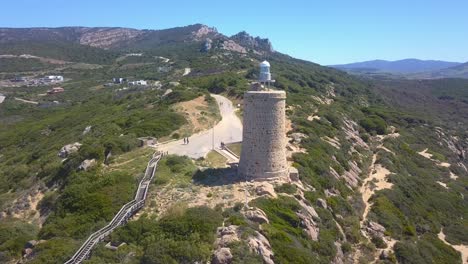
column 185, row 141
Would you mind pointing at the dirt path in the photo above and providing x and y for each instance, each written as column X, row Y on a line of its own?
column 428, row 155
column 229, row 129
column 378, row 175
column 26, row 101
column 376, row 181
column 463, row 249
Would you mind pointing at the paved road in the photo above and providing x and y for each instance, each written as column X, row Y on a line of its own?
column 229, row 129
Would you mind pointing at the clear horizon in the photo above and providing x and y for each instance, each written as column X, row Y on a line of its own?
column 326, row 33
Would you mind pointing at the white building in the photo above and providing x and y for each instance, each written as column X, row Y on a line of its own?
column 140, row 82
column 53, row 78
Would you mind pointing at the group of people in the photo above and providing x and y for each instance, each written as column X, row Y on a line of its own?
column 186, row 140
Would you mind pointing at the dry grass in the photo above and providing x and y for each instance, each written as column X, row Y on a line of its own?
column 235, row 147
column 215, row 160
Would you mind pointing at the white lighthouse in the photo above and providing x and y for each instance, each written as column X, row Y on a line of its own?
column 265, row 75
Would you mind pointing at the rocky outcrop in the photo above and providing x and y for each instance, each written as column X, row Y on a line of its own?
column 87, row 164
column 351, row 176
column 254, row 43
column 226, row 235
column 297, row 137
column 307, row 215
column 260, row 245
column 256, row 242
column 87, row 130
column 322, row 203
column 207, row 45
column 386, row 254
column 309, row 226
column 69, row 149
column 266, row 189
column 107, row 37
column 203, row 31
column 256, row 215
column 339, row 257
column 232, row 46
column 458, row 146
column 28, row 249
column 26, row 206
column 352, row 134
column 375, row 229
column 222, row 256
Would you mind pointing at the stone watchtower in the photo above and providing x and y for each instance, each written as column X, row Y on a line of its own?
column 263, row 154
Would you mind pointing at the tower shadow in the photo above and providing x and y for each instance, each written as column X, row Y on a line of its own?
column 217, row 177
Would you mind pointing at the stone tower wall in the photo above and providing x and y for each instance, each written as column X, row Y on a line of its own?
column 263, row 154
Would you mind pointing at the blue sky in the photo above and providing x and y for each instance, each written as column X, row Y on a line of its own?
column 325, row 31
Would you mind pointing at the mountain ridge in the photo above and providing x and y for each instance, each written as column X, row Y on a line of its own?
column 117, row 38
column 405, row 66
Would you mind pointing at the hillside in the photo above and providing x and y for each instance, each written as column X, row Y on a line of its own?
column 382, row 175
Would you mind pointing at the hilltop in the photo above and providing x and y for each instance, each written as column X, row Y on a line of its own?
column 382, row 176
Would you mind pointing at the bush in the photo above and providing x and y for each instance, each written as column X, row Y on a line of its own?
column 374, row 124
column 286, row 188
column 378, row 242
column 177, row 163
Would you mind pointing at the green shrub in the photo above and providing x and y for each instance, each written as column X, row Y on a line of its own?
column 374, row 124
column 286, row 188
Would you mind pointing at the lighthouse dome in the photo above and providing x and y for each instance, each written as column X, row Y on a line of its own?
column 265, row 64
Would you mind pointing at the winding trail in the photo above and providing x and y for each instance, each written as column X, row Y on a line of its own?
column 377, row 180
column 228, row 130
column 379, row 174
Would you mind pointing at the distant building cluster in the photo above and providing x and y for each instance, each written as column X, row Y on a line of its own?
column 46, row 80
column 120, row 80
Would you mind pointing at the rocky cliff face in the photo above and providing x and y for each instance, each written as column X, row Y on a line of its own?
column 116, row 38
column 204, row 31
column 255, row 43
column 108, row 37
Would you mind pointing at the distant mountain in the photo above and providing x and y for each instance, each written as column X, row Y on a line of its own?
column 128, row 39
column 459, row 71
column 405, row 66
column 105, row 37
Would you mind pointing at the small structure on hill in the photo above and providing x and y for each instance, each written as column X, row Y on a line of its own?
column 140, row 82
column 55, row 90
column 263, row 154
column 119, row 80
column 147, row 141
column 52, row 78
